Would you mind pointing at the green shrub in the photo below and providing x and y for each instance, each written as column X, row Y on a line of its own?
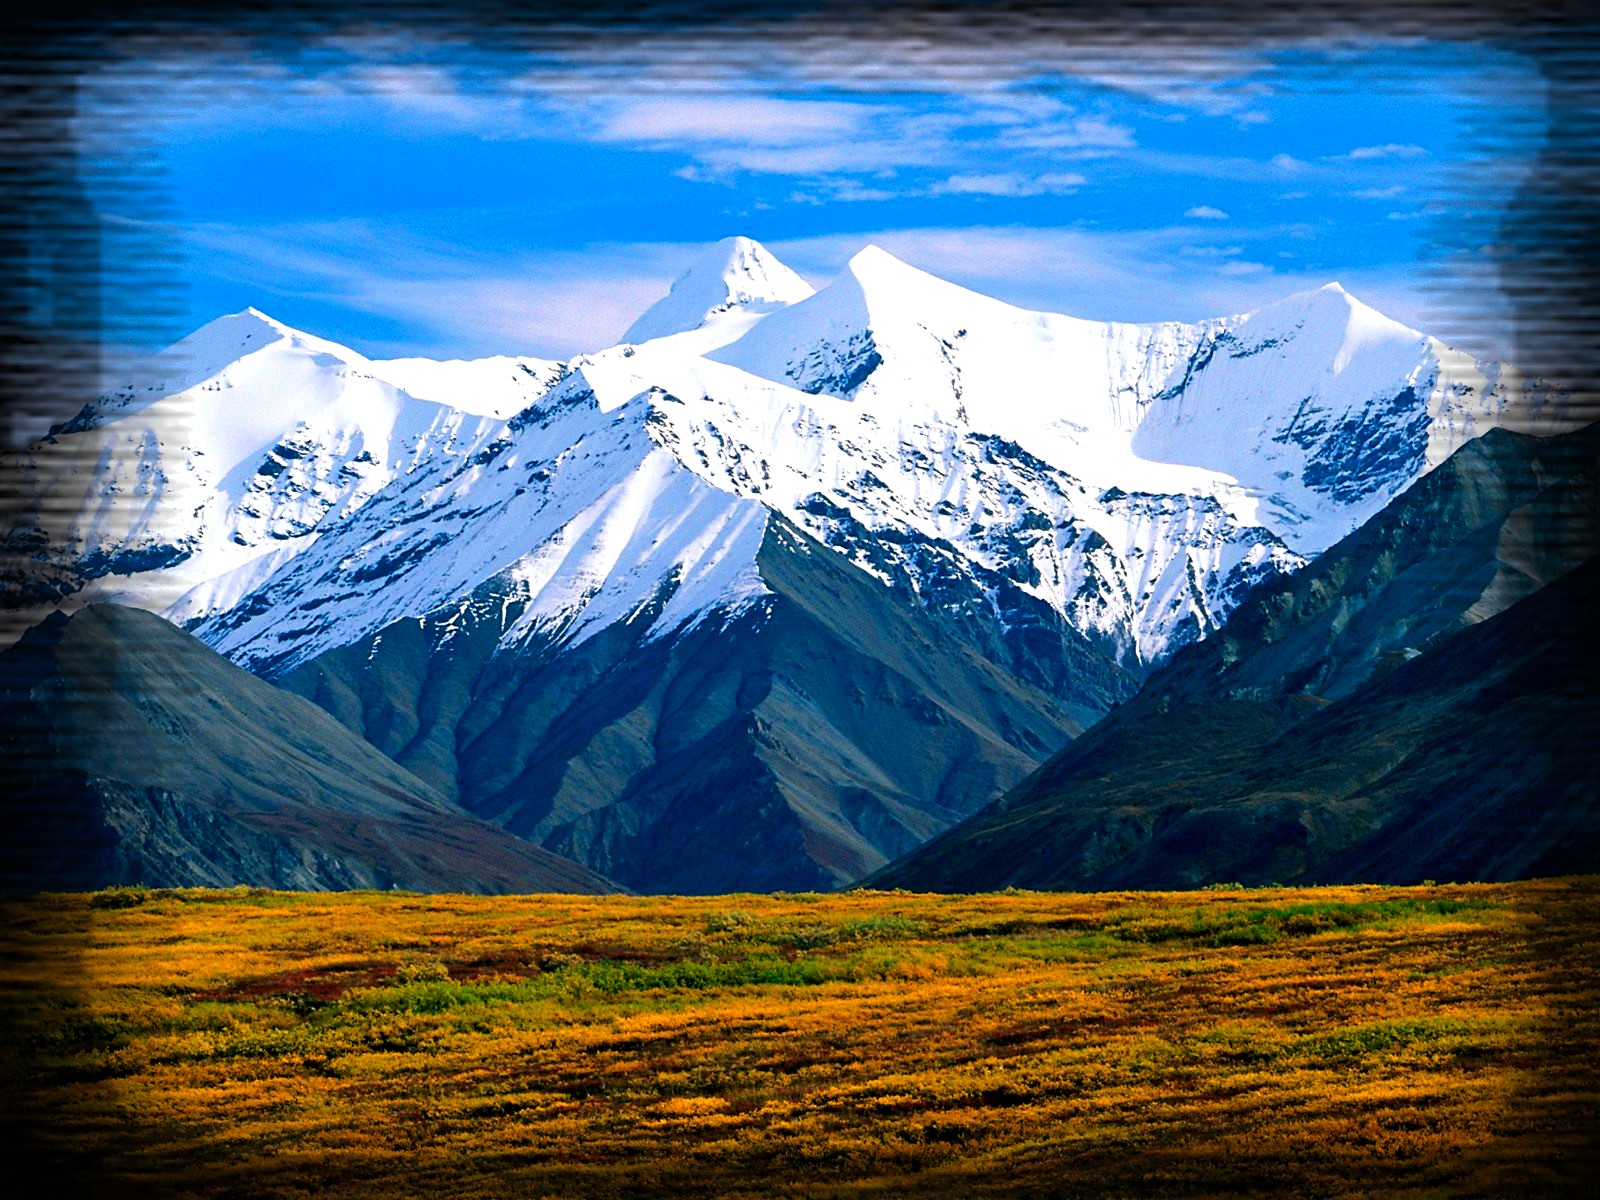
column 556, row 960
column 887, row 926
column 119, row 896
column 731, row 922
column 429, row 970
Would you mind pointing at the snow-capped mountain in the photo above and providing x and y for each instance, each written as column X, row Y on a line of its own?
column 1072, row 500
column 187, row 488
column 734, row 281
column 1135, row 480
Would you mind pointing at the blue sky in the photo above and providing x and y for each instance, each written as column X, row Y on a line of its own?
column 413, row 196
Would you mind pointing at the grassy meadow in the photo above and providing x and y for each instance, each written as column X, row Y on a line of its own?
column 1438, row 1041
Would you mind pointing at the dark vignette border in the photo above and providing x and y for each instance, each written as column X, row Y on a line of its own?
column 53, row 272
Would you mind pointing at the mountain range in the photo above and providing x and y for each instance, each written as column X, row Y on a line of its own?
column 783, row 585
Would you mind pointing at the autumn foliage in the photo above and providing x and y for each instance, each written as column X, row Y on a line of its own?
column 1359, row 1041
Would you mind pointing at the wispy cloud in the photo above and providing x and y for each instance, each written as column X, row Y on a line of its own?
column 1210, row 251
column 745, row 115
column 1387, row 150
column 433, row 95
column 555, row 305
column 746, row 120
column 726, row 137
column 1074, row 133
column 1009, row 184
column 794, row 122
column 860, row 157
column 456, row 302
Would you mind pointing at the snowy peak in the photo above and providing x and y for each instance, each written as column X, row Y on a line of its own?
column 878, row 289
column 880, row 310
column 1329, row 306
column 753, row 276
column 224, row 341
column 239, row 330
column 874, row 268
column 736, row 274
column 202, row 355
column 888, row 281
column 232, row 451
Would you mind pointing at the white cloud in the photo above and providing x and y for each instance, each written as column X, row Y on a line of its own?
column 1387, row 150
column 980, row 184
column 1008, row 184
column 733, row 131
column 846, row 156
column 1208, row 79
column 726, row 134
column 848, row 190
column 730, row 115
column 745, row 120
column 551, row 316
column 1204, row 212
column 1210, row 251
column 1380, row 193
column 428, row 92
column 1078, row 133
column 734, row 128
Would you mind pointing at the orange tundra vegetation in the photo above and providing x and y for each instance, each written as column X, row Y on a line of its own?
column 1352, row 1041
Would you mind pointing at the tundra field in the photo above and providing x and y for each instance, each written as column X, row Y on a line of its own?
column 1354, row 1041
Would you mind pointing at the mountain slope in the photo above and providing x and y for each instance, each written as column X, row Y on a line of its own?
column 1503, row 517
column 136, row 754
column 799, row 741
column 1317, row 409
column 1409, row 706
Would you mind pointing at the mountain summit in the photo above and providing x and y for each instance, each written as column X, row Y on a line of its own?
column 588, row 600
column 736, row 275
